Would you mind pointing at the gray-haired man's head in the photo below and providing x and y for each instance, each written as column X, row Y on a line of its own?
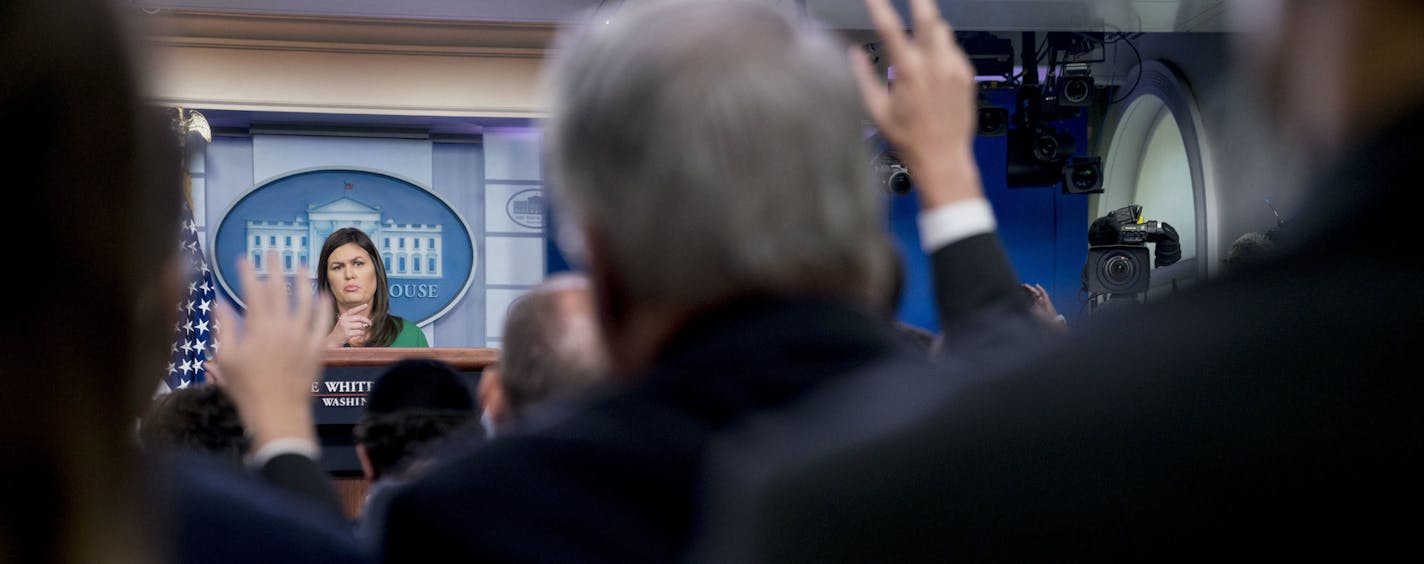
column 709, row 151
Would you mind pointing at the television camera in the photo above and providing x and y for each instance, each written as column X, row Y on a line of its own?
column 1118, row 258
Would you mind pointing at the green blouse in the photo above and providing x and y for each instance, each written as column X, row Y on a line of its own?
column 410, row 336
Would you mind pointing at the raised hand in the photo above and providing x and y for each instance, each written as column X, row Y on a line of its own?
column 269, row 364
column 1042, row 301
column 929, row 112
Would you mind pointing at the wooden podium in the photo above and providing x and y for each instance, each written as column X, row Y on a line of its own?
column 461, row 359
column 340, row 398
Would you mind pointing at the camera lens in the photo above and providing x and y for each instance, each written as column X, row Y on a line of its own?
column 993, row 121
column 1046, row 149
column 1119, row 270
column 891, row 173
column 1075, row 91
column 1052, row 146
column 899, row 182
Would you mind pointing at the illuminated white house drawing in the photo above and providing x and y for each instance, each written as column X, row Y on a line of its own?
column 409, row 250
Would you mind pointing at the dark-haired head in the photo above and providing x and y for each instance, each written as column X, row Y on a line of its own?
column 413, row 405
column 200, row 419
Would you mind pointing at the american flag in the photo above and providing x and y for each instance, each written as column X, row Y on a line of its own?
column 193, row 335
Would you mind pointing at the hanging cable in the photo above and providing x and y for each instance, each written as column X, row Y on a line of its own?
column 1124, row 39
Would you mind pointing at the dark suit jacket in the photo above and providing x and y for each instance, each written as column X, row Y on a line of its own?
column 301, row 476
column 222, row 513
column 619, row 481
column 984, row 320
column 1271, row 413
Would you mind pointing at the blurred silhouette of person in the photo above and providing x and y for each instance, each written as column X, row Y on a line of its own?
column 731, row 276
column 352, row 272
column 200, row 418
column 413, row 405
column 100, row 177
column 552, row 352
column 1260, row 415
column 94, row 174
column 1250, row 249
column 915, row 336
column 1048, row 323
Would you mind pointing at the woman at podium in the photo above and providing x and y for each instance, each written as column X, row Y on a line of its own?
column 351, row 270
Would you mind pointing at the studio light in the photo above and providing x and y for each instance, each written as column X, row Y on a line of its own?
column 893, row 173
column 1024, row 170
column 1038, row 151
column 1051, row 145
column 1041, row 150
column 890, row 171
column 993, row 121
column 1074, row 87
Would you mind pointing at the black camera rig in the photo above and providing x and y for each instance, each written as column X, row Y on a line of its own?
column 1118, row 261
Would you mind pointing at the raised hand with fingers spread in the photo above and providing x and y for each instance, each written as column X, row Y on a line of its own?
column 929, row 113
column 268, row 365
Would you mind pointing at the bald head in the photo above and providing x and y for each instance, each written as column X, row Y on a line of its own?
column 552, row 347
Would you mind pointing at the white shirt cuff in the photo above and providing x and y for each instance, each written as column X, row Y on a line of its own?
column 278, row 447
column 955, row 222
